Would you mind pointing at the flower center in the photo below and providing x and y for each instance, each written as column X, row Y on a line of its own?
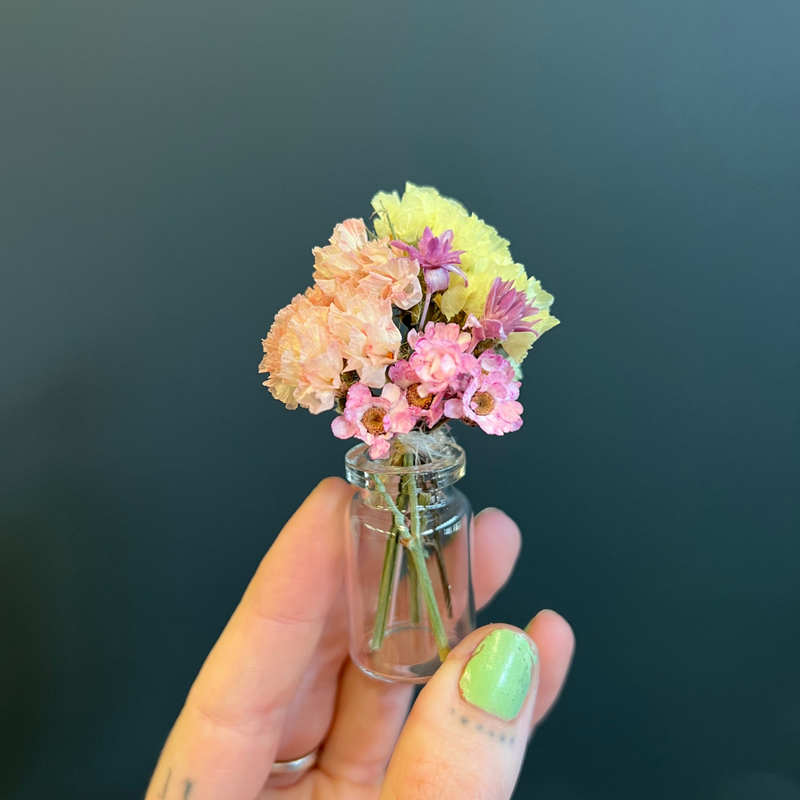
column 413, row 398
column 373, row 420
column 483, row 402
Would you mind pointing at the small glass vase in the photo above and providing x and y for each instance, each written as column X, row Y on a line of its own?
column 409, row 576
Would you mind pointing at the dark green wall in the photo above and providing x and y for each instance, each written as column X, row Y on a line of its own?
column 166, row 167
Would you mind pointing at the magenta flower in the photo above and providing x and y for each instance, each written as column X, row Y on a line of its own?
column 374, row 420
column 437, row 261
column 440, row 358
column 490, row 399
column 505, row 313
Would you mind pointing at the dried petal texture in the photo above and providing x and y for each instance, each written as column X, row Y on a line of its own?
column 485, row 258
column 368, row 337
column 440, row 359
column 302, row 358
column 394, row 279
column 490, row 399
column 540, row 321
column 351, row 262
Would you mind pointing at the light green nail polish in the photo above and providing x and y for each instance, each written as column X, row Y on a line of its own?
column 498, row 675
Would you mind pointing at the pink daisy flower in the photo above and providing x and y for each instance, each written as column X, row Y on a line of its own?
column 494, row 364
column 429, row 408
column 374, row 420
column 490, row 399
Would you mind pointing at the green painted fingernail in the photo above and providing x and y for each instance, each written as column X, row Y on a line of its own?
column 498, row 675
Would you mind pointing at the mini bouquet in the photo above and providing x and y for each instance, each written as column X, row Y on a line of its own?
column 422, row 319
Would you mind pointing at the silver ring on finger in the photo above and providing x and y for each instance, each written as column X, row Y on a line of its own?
column 296, row 767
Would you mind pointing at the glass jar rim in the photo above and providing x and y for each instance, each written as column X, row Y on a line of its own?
column 440, row 472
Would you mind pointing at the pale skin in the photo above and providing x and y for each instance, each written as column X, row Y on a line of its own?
column 279, row 683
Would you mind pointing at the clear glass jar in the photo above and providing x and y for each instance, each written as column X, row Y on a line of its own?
column 409, row 577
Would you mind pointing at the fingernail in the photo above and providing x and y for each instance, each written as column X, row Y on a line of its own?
column 498, row 676
column 489, row 510
column 542, row 612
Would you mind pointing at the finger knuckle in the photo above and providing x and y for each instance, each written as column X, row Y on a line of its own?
column 439, row 778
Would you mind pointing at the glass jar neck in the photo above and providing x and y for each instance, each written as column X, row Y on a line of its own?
column 432, row 466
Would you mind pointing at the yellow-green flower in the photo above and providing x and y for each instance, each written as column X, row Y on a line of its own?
column 486, row 255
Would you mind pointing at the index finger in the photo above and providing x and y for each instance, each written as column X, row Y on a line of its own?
column 228, row 732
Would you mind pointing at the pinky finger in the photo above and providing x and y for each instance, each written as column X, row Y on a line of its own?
column 555, row 642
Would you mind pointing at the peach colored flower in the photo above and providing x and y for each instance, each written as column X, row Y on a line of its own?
column 317, row 297
column 321, row 363
column 339, row 262
column 282, row 380
column 303, row 359
column 369, row 339
column 350, row 235
column 395, row 279
column 351, row 260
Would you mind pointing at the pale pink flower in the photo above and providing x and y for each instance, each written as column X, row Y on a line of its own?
column 490, row 399
column 374, row 420
column 303, row 359
column 368, row 337
column 403, row 374
column 440, row 359
column 429, row 408
column 491, row 363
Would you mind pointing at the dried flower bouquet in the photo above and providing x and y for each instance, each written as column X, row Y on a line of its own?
column 423, row 319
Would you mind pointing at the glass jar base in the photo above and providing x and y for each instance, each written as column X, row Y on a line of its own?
column 408, row 654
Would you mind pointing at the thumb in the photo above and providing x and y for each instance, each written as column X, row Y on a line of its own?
column 466, row 735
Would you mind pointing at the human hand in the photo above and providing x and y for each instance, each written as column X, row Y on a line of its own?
column 278, row 684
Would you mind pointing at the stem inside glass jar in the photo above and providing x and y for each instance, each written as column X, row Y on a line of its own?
column 418, row 577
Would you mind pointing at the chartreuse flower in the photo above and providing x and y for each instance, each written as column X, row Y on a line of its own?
column 486, row 256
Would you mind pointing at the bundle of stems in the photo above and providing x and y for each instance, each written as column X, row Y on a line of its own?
column 408, row 534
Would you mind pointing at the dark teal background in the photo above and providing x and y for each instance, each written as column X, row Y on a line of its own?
column 166, row 168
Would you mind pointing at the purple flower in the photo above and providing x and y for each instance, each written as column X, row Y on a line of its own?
column 505, row 313
column 436, row 258
column 437, row 261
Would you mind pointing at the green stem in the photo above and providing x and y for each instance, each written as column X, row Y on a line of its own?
column 413, row 594
column 385, row 590
column 437, row 549
column 410, row 494
column 415, row 548
column 414, row 545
